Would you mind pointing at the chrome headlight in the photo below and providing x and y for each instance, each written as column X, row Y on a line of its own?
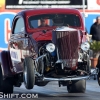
column 50, row 47
column 85, row 46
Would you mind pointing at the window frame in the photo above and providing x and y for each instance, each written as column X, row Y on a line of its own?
column 68, row 14
column 15, row 23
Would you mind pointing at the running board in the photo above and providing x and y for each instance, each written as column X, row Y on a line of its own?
column 65, row 79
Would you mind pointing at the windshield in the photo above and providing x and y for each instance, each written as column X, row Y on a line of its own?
column 48, row 20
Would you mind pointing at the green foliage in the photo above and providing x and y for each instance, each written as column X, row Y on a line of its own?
column 95, row 46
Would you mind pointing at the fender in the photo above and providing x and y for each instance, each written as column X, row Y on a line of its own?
column 5, row 63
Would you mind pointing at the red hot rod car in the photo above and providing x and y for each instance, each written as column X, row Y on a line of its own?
column 46, row 45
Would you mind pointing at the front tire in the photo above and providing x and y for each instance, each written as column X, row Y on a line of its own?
column 77, row 86
column 29, row 73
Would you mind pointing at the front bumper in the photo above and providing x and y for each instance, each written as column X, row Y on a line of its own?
column 65, row 79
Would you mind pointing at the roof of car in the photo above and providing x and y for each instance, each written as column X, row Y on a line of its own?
column 37, row 11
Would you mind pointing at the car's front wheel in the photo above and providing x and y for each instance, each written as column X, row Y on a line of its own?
column 77, row 86
column 29, row 73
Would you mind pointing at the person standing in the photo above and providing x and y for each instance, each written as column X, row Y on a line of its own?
column 95, row 30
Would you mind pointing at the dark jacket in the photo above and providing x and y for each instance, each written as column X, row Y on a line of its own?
column 95, row 32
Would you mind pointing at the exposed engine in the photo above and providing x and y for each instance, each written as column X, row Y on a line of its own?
column 63, row 55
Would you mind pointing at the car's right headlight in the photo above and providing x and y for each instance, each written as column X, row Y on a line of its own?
column 50, row 47
column 85, row 46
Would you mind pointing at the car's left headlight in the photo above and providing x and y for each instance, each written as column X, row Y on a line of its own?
column 50, row 47
column 85, row 46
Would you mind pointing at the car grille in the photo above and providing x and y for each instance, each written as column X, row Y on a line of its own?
column 67, row 44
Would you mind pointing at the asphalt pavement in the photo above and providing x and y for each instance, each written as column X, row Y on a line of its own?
column 53, row 92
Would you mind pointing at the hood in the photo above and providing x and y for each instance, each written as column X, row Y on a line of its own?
column 42, row 35
column 47, row 34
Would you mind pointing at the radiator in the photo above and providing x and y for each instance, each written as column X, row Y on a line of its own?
column 67, row 43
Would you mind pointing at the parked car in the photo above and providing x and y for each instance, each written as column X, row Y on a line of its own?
column 46, row 45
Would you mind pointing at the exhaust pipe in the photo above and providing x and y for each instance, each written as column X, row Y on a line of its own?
column 65, row 79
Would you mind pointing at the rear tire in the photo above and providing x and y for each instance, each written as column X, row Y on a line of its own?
column 77, row 86
column 29, row 73
column 6, row 86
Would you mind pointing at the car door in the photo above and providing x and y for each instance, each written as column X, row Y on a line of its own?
column 18, row 44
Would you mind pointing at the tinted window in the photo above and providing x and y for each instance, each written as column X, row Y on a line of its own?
column 19, row 27
column 55, row 20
